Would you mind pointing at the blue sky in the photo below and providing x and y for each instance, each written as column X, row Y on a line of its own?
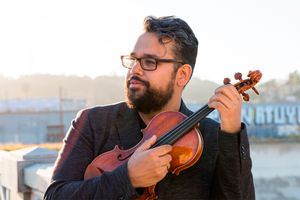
column 86, row 38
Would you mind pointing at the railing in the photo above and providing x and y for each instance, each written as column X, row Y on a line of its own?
column 25, row 174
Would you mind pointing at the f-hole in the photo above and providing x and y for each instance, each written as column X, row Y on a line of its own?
column 120, row 158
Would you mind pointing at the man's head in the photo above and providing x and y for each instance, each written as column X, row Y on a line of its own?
column 172, row 29
column 160, row 64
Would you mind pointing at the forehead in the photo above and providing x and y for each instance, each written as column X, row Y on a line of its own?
column 148, row 44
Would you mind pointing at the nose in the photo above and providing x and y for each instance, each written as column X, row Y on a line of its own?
column 137, row 68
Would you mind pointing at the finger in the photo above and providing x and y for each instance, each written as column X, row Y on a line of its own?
column 219, row 101
column 147, row 144
column 164, row 169
column 165, row 160
column 229, row 91
column 168, row 166
column 216, row 102
column 230, row 97
column 167, row 169
column 225, row 98
column 162, row 150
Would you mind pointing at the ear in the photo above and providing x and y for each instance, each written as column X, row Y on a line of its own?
column 184, row 74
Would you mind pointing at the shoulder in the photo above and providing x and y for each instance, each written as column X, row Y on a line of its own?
column 103, row 109
column 98, row 114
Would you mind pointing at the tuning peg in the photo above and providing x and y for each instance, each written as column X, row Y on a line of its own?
column 226, row 81
column 255, row 90
column 238, row 76
column 246, row 96
column 249, row 73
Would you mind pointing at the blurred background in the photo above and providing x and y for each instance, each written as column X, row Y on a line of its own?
column 57, row 57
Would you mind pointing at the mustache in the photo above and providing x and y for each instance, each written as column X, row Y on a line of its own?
column 136, row 78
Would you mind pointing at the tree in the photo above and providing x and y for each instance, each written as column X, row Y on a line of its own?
column 294, row 78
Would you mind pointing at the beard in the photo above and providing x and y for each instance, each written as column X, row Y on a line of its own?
column 151, row 99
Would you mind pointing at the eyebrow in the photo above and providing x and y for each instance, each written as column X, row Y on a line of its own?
column 145, row 55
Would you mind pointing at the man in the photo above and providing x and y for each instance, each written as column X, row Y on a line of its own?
column 159, row 67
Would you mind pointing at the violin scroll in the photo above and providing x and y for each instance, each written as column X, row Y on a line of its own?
column 244, row 85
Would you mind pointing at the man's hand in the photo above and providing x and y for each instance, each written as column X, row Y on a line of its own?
column 146, row 167
column 228, row 102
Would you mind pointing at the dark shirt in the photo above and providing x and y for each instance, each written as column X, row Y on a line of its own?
column 222, row 172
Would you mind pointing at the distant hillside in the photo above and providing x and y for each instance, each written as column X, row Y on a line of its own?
column 280, row 91
column 199, row 91
column 101, row 90
column 109, row 89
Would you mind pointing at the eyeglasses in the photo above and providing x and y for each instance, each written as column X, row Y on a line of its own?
column 147, row 63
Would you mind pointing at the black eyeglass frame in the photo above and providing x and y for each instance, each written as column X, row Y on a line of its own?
column 157, row 60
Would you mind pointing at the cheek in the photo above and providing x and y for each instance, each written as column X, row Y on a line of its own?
column 161, row 82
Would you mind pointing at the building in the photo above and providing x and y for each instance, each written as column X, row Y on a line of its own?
column 276, row 120
column 36, row 120
column 47, row 120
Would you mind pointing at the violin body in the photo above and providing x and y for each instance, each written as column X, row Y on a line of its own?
column 185, row 152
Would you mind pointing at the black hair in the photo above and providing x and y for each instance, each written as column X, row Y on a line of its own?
column 171, row 28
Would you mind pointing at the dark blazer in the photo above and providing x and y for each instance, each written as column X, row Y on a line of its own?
column 222, row 172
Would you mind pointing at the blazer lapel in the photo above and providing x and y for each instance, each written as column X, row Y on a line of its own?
column 128, row 128
column 183, row 109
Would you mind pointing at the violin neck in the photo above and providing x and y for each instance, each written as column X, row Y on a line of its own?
column 182, row 128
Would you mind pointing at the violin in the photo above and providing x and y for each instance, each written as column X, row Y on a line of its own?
column 181, row 132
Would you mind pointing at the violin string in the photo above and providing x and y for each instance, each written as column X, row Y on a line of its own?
column 173, row 135
column 182, row 128
column 183, row 125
